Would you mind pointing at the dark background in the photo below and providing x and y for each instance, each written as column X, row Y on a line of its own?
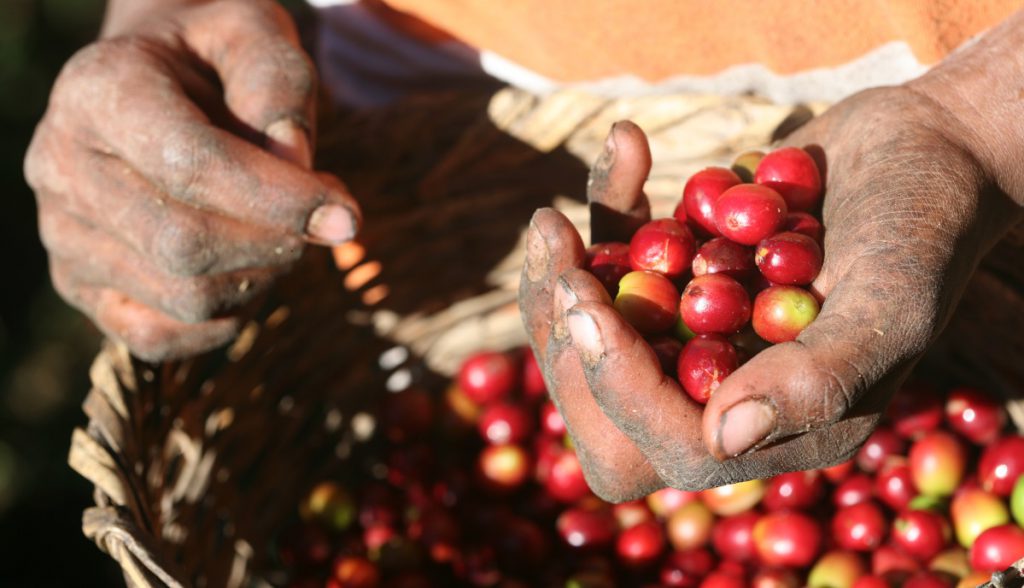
column 45, row 347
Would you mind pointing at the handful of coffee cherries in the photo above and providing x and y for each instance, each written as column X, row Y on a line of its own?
column 728, row 274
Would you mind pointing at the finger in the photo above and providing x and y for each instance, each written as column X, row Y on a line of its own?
column 627, row 383
column 859, row 342
column 552, row 246
column 665, row 424
column 615, row 190
column 614, row 467
column 269, row 82
column 110, row 263
column 180, row 240
column 151, row 124
column 149, row 334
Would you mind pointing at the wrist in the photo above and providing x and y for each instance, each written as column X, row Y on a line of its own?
column 978, row 96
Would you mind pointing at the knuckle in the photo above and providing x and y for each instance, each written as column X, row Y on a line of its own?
column 147, row 341
column 49, row 230
column 298, row 70
column 65, row 286
column 94, row 66
column 184, row 248
column 612, row 488
column 195, row 300
column 36, row 166
column 185, row 155
column 89, row 62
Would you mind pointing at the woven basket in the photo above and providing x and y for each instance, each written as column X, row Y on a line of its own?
column 197, row 463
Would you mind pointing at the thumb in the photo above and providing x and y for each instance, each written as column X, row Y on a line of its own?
column 269, row 81
column 860, row 347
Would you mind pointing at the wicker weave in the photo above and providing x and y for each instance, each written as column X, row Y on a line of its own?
column 197, row 463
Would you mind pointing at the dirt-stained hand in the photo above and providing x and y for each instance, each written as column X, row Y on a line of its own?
column 908, row 213
column 173, row 177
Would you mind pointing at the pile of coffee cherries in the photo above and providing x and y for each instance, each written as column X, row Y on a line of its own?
column 740, row 234
column 475, row 483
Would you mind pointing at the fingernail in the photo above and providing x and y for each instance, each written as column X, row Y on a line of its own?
column 745, row 425
column 586, row 335
column 287, row 140
column 331, row 223
column 537, row 253
column 565, row 299
column 607, row 157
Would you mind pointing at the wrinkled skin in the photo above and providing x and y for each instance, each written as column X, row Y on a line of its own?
column 908, row 211
column 172, row 171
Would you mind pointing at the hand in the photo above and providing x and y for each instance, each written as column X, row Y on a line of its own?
column 908, row 213
column 172, row 172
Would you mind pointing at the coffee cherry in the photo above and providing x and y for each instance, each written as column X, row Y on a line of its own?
column 586, row 528
column 861, row 527
column 894, row 483
column 975, row 511
column 748, row 213
column 697, row 208
column 975, row 414
column 789, row 258
column 997, row 548
column 836, row 569
column 1001, row 464
column 937, row 463
column 505, row 423
column 354, row 572
column 648, row 301
column 794, row 490
column 856, row 489
column 690, row 526
column 787, row 538
column 880, row 445
column 685, row 569
column 641, row 545
column 735, row 498
column 722, row 256
column 745, row 165
column 705, row 361
column 667, row 349
column 915, row 410
column 921, row 533
column 733, row 536
column 665, row 246
column 666, row 501
column 487, row 376
column 504, row 467
column 801, row 222
column 551, row 422
column 608, row 262
column 791, row 172
column 782, row 312
column 714, row 303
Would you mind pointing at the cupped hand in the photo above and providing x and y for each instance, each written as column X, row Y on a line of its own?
column 172, row 172
column 908, row 213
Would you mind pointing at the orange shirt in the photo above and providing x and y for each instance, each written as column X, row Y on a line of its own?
column 574, row 40
column 639, row 45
